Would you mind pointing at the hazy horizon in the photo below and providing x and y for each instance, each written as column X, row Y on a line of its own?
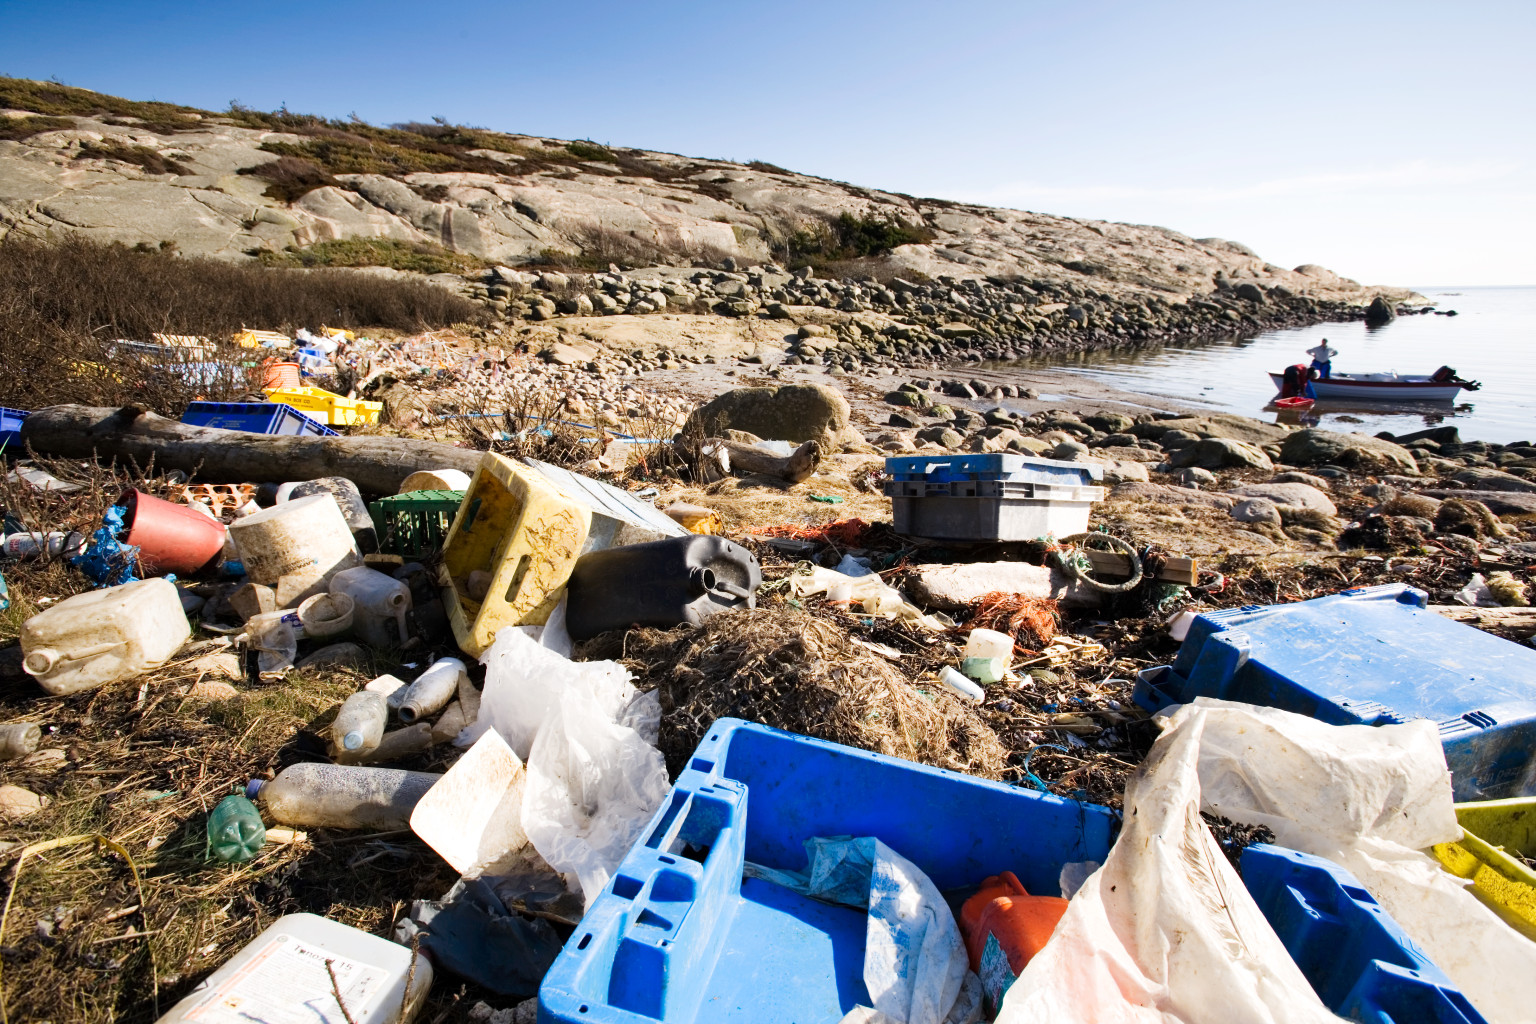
column 1387, row 142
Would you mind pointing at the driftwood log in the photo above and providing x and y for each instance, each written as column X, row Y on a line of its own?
column 1516, row 622
column 723, row 456
column 377, row 465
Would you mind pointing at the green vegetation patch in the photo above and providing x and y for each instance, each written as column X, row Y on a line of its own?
column 420, row 257
column 18, row 128
column 851, row 238
column 59, row 100
column 153, row 161
column 586, row 149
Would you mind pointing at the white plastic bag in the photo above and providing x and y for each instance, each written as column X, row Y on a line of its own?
column 592, row 785
column 524, row 682
column 914, row 961
column 1165, row 931
column 1371, row 799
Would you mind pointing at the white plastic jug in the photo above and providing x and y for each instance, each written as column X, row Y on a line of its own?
column 305, row 536
column 97, row 638
column 379, row 604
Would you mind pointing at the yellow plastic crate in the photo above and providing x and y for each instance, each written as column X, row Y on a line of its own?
column 1498, row 832
column 514, row 526
column 330, row 408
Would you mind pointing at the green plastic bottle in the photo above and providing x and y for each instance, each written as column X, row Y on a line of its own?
column 235, row 831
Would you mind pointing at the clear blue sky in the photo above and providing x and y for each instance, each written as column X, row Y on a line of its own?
column 1394, row 142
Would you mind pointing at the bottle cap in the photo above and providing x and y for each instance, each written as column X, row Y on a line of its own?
column 253, row 788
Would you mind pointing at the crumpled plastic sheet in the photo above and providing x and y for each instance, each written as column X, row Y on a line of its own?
column 469, row 932
column 872, row 594
column 1372, row 800
column 105, row 560
column 915, row 965
column 1165, row 931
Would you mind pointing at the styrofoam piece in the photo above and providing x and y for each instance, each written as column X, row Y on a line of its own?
column 473, row 816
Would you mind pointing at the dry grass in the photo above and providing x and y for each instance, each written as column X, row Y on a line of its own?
column 784, row 667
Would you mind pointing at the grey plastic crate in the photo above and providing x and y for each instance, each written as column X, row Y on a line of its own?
column 1012, row 512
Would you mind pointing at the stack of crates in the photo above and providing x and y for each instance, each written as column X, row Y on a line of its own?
column 414, row 523
column 332, row 408
column 990, row 497
column 254, row 417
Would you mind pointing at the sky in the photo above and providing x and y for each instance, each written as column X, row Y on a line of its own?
column 1393, row 142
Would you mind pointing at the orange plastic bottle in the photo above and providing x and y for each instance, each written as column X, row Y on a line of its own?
column 1003, row 909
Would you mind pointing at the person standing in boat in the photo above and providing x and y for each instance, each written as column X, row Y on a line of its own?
column 1322, row 359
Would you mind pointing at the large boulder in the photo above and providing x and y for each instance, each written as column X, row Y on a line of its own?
column 1380, row 311
column 1361, row 452
column 1255, row 510
column 1479, row 479
column 952, row 587
column 1217, row 424
column 1220, row 453
column 795, row 412
column 1302, row 495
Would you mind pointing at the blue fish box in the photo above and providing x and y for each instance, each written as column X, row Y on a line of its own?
column 1359, row 961
column 254, row 417
column 10, row 430
column 679, row 935
column 1022, row 469
column 1370, row 656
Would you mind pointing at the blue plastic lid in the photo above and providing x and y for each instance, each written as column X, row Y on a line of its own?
column 253, row 788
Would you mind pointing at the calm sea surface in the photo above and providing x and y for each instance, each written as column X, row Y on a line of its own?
column 1492, row 339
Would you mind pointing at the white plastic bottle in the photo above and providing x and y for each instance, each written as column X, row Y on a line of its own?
column 342, row 796
column 285, row 974
column 99, row 637
column 379, row 604
column 432, row 690
column 18, row 739
column 360, row 723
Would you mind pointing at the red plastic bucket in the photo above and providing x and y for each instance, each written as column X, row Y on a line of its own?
column 170, row 537
column 280, row 375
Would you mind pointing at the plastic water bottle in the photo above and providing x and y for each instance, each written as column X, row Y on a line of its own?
column 961, row 685
column 360, row 723
column 432, row 690
column 342, row 796
column 18, row 739
column 235, row 831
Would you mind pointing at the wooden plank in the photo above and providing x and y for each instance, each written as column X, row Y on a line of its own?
column 1520, row 622
column 1177, row 569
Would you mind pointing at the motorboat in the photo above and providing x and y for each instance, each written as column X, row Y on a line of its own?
column 1441, row 386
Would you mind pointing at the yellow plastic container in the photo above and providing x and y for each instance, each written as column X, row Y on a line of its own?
column 333, row 409
column 255, row 339
column 1498, row 833
column 515, row 528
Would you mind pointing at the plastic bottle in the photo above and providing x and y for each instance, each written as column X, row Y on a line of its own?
column 282, row 976
column 36, row 545
column 432, row 690
column 235, row 831
column 987, row 655
column 360, row 723
column 379, row 604
column 342, row 796
column 102, row 636
column 18, row 739
column 961, row 685
column 393, row 746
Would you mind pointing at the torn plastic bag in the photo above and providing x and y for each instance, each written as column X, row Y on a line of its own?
column 870, row 592
column 914, row 960
column 524, row 682
column 1165, row 931
column 1372, row 799
column 592, row 785
column 470, row 933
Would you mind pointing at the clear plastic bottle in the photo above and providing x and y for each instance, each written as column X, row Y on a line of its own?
column 342, row 796
column 380, row 604
column 394, row 746
column 360, row 723
column 18, row 739
column 432, row 690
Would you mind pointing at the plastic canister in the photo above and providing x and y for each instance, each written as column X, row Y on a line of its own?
column 379, row 604
column 170, row 537
column 342, row 796
column 102, row 636
column 303, row 536
column 987, row 655
column 432, row 690
column 350, row 501
column 285, row 974
column 1004, row 927
column 663, row 583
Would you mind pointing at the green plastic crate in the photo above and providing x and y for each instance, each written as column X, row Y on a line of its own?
column 411, row 524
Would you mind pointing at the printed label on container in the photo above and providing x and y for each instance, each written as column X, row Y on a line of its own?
column 286, row 983
column 995, row 972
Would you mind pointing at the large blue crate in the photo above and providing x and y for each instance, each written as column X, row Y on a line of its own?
column 992, row 466
column 679, row 936
column 1370, row 656
column 10, row 430
column 255, row 417
column 1359, row 961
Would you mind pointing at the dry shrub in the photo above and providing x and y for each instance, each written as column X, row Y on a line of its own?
column 788, row 669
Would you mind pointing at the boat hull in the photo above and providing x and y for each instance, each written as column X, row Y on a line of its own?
column 1401, row 390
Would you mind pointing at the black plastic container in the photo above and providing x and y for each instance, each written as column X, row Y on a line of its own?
column 663, row 583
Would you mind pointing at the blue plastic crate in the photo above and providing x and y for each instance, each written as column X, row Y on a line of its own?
column 1359, row 961
column 1370, row 656
column 991, row 466
column 678, row 935
column 10, row 430
column 254, row 417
